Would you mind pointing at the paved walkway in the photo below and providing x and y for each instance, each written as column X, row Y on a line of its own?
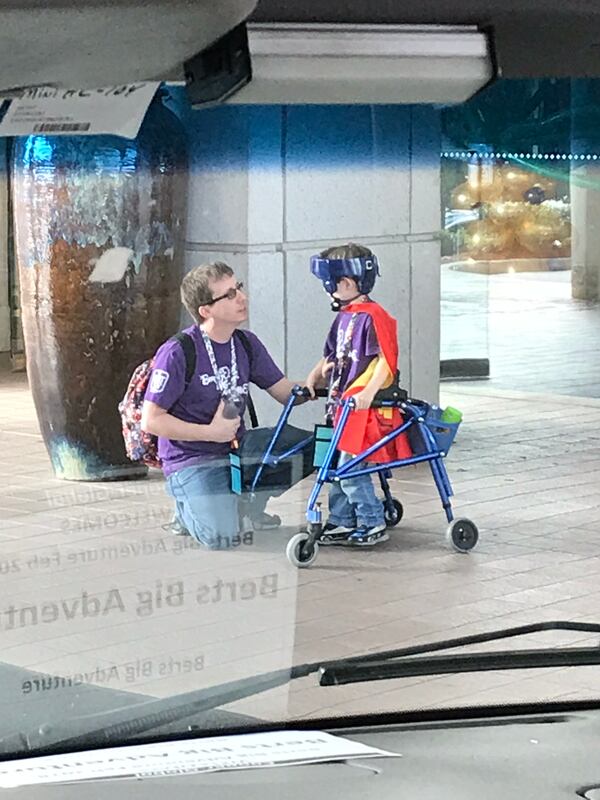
column 95, row 590
column 536, row 336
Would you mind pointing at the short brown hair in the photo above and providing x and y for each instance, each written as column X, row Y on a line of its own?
column 349, row 250
column 195, row 289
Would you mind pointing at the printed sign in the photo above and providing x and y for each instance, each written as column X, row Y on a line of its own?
column 117, row 110
column 215, row 754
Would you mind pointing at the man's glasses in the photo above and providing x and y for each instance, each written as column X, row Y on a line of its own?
column 230, row 294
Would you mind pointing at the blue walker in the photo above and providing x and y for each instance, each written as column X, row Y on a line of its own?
column 430, row 438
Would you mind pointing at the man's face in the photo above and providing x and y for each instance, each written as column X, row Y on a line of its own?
column 346, row 289
column 231, row 305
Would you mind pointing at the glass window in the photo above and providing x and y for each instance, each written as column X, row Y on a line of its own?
column 433, row 273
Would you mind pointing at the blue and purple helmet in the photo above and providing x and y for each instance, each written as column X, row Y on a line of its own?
column 363, row 269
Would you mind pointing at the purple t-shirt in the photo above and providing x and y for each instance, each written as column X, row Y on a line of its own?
column 362, row 347
column 199, row 402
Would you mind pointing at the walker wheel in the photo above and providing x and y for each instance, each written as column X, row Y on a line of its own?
column 462, row 535
column 393, row 517
column 299, row 553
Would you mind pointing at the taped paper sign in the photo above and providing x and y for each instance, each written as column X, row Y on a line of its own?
column 215, row 754
column 116, row 110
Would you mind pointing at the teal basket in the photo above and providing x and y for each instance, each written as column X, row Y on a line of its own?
column 236, row 473
column 323, row 436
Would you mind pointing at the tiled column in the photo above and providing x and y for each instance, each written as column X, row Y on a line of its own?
column 585, row 232
column 270, row 186
column 585, row 200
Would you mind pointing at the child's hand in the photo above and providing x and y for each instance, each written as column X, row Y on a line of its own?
column 317, row 377
column 363, row 400
column 311, row 384
column 326, row 369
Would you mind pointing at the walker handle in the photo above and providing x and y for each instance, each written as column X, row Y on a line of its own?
column 302, row 391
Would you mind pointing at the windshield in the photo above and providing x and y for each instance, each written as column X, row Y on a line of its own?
column 143, row 552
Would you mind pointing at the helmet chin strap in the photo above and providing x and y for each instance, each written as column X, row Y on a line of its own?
column 337, row 304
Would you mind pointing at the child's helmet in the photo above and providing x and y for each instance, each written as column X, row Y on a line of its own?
column 363, row 269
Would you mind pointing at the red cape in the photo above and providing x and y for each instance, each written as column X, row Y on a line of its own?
column 365, row 428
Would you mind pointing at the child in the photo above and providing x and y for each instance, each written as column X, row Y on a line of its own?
column 360, row 358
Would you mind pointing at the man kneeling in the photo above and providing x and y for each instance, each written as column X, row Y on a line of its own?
column 197, row 421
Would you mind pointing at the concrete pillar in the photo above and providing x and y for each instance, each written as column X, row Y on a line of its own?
column 425, row 254
column 585, row 232
column 585, row 196
column 270, row 186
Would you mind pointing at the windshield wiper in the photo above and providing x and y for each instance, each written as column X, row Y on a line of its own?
column 116, row 726
column 402, row 663
column 113, row 727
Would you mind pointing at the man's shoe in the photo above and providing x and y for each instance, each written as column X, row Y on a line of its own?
column 246, row 524
column 265, row 522
column 176, row 528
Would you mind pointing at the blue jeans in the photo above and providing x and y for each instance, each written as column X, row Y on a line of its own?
column 205, row 504
column 353, row 502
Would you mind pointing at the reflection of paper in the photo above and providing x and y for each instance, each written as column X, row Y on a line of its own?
column 117, row 110
column 220, row 753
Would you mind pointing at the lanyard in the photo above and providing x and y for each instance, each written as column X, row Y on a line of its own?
column 223, row 385
column 341, row 360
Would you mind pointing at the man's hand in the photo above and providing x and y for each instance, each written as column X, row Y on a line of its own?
column 282, row 390
column 222, row 429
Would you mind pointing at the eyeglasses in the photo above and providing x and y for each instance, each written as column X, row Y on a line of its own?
column 230, row 294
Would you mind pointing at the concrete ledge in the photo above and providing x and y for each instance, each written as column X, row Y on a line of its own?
column 464, row 369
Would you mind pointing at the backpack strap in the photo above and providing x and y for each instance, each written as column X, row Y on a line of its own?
column 189, row 351
column 242, row 336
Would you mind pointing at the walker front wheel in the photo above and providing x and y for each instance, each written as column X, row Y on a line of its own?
column 462, row 535
column 300, row 552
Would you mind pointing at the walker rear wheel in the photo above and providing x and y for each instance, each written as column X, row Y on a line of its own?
column 394, row 515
